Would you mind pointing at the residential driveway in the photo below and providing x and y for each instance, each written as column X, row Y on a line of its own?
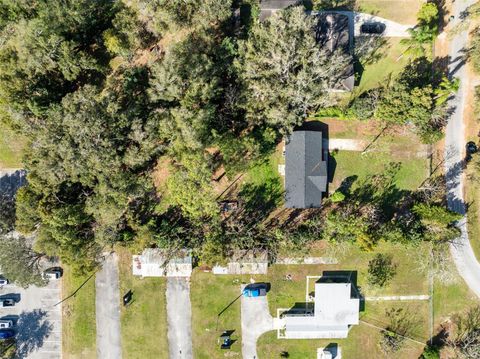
column 461, row 250
column 344, row 144
column 38, row 323
column 179, row 318
column 392, row 28
column 356, row 19
column 107, row 306
column 256, row 320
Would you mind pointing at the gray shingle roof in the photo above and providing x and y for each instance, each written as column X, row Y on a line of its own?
column 305, row 171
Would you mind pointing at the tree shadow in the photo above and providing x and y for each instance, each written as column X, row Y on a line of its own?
column 33, row 329
column 261, row 199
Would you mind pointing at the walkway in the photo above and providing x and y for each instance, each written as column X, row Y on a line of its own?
column 107, row 306
column 179, row 318
column 397, row 297
column 461, row 250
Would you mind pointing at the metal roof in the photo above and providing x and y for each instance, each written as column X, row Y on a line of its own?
column 305, row 171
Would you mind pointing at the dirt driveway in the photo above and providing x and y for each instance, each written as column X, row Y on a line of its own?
column 256, row 320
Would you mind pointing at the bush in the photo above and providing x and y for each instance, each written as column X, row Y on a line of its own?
column 381, row 269
column 363, row 107
column 430, row 352
column 337, row 196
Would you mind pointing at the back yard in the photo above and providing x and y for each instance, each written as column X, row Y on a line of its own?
column 11, row 148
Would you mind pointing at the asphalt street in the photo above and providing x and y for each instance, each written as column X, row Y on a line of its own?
column 461, row 250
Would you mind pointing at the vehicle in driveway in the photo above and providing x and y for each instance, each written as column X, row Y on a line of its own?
column 5, row 324
column 255, row 290
column 6, row 333
column 372, row 28
column 53, row 273
column 7, row 303
column 3, row 280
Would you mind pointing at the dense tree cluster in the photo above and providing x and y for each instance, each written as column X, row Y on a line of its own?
column 106, row 92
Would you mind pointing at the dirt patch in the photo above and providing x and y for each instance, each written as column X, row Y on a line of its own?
column 161, row 173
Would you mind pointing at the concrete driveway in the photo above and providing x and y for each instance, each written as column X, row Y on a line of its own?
column 256, row 320
column 392, row 28
column 107, row 306
column 179, row 318
column 38, row 323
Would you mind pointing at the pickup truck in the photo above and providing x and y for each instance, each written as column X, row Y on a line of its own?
column 7, row 303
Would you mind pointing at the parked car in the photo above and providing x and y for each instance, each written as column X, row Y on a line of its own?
column 6, row 323
column 3, row 281
column 471, row 148
column 53, row 273
column 255, row 290
column 7, row 303
column 6, row 333
column 372, row 28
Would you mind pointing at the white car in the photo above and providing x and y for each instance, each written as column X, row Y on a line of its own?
column 5, row 324
column 3, row 281
column 53, row 273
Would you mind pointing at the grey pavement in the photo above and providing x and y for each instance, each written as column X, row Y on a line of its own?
column 461, row 250
column 179, row 318
column 38, row 322
column 107, row 306
column 256, row 320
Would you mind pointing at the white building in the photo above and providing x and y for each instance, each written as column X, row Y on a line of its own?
column 335, row 310
column 155, row 262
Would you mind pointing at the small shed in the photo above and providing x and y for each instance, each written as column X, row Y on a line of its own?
column 157, row 262
column 244, row 262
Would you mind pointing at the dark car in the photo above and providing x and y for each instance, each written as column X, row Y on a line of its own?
column 6, row 333
column 471, row 148
column 7, row 302
column 372, row 28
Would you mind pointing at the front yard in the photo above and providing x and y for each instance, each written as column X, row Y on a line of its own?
column 79, row 325
column 11, row 148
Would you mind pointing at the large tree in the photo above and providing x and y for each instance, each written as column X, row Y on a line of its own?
column 285, row 71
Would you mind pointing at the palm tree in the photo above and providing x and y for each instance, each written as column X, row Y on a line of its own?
column 446, row 89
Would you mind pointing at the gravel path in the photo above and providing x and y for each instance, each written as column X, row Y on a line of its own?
column 462, row 252
column 179, row 318
column 107, row 306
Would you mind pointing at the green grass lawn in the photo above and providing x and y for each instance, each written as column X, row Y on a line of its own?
column 210, row 294
column 11, row 148
column 412, row 173
column 376, row 74
column 448, row 299
column 402, row 11
column 144, row 321
column 79, row 325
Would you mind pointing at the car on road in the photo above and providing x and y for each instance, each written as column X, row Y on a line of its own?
column 372, row 28
column 6, row 333
column 6, row 323
column 255, row 290
column 53, row 273
column 7, row 303
column 3, row 280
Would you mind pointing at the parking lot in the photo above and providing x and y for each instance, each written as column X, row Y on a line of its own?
column 37, row 322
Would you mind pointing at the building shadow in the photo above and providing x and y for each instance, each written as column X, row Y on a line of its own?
column 33, row 330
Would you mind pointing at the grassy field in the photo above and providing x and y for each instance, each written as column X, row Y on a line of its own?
column 144, row 321
column 79, row 326
column 11, row 148
column 403, row 11
column 210, row 294
column 390, row 63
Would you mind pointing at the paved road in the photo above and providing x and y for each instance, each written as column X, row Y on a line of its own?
column 256, row 320
column 38, row 323
column 179, row 318
column 107, row 306
column 462, row 252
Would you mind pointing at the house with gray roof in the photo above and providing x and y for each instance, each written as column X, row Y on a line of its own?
column 305, row 170
column 269, row 7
